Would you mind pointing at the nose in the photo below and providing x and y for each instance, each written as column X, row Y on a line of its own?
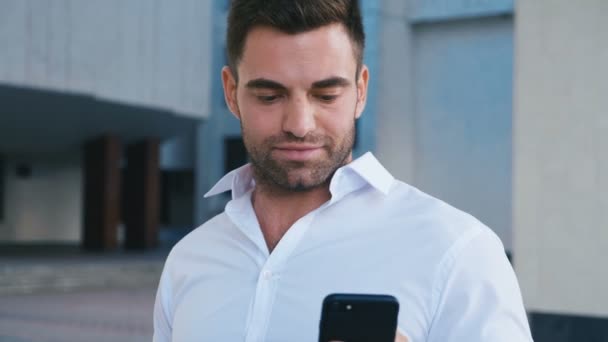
column 299, row 117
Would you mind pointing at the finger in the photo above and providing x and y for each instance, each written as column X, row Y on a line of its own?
column 400, row 338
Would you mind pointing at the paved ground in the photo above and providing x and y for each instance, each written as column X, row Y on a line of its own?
column 116, row 315
column 62, row 294
column 65, row 269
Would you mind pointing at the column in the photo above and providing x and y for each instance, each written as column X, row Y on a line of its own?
column 101, row 193
column 142, row 195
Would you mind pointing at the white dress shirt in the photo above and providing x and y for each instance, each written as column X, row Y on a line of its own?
column 376, row 235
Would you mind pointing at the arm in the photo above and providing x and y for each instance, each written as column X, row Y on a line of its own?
column 477, row 297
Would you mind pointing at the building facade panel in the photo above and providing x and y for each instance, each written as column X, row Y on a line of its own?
column 444, row 118
column 150, row 53
column 463, row 80
column 42, row 199
column 560, row 159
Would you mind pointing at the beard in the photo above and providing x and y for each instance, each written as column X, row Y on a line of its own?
column 298, row 176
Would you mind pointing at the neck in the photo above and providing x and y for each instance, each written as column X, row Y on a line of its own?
column 277, row 211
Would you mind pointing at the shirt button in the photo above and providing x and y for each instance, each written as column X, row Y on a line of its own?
column 267, row 274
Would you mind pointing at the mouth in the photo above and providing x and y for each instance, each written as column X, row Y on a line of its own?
column 298, row 152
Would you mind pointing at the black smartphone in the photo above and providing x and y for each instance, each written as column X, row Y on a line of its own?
column 359, row 318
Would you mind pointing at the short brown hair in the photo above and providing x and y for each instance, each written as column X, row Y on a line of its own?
column 291, row 16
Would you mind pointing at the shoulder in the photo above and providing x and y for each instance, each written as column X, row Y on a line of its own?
column 421, row 213
column 206, row 234
column 463, row 247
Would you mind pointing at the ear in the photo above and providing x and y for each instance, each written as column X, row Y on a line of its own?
column 362, row 83
column 229, row 83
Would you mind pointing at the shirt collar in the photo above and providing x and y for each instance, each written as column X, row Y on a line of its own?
column 372, row 172
column 238, row 180
column 363, row 170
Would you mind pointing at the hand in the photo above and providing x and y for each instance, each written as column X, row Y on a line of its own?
column 400, row 338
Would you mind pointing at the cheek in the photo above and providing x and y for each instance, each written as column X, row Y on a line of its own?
column 338, row 123
column 256, row 129
column 259, row 122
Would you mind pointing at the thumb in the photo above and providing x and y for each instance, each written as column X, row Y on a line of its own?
column 400, row 338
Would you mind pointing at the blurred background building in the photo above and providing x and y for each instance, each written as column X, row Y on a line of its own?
column 101, row 102
column 113, row 125
column 501, row 110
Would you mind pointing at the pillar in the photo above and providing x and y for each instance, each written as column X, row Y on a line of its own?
column 142, row 195
column 101, row 193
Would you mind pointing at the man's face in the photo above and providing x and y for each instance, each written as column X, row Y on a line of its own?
column 297, row 99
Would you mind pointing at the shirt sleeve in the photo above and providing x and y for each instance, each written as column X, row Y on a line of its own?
column 162, row 312
column 477, row 295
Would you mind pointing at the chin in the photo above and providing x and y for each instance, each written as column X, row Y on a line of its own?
column 303, row 187
column 302, row 184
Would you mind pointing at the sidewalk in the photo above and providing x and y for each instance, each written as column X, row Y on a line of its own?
column 66, row 295
column 106, row 315
column 40, row 269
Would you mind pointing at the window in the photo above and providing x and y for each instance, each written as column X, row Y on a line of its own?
column 235, row 154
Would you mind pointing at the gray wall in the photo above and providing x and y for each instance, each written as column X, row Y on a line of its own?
column 561, row 155
column 150, row 53
column 177, row 153
column 209, row 139
column 444, row 115
column 462, row 116
column 47, row 206
column 152, row 56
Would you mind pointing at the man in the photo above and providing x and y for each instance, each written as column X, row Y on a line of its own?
column 305, row 220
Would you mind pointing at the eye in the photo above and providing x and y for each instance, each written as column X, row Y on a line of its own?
column 268, row 99
column 327, row 98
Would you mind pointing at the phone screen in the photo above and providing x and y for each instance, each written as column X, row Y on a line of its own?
column 358, row 318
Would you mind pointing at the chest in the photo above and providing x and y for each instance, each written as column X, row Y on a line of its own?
column 243, row 297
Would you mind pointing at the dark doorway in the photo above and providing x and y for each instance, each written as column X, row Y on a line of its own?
column 235, row 153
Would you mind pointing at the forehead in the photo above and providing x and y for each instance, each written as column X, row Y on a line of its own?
column 301, row 58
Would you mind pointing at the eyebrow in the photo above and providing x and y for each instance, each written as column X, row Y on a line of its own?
column 331, row 83
column 263, row 83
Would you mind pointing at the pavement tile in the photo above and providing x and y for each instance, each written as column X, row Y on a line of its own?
column 117, row 315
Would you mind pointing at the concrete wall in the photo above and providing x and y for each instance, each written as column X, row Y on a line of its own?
column 366, row 134
column 463, row 109
column 444, row 102
column 150, row 53
column 395, row 115
column 434, row 10
column 209, row 139
column 177, row 153
column 561, row 155
column 47, row 205
column 395, row 120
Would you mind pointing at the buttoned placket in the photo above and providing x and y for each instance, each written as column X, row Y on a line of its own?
column 271, row 264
